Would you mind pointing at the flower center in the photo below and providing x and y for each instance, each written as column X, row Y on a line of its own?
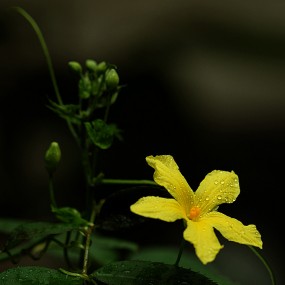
column 194, row 213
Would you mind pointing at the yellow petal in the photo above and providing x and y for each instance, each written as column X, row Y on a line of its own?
column 164, row 209
column 167, row 174
column 234, row 230
column 218, row 187
column 204, row 240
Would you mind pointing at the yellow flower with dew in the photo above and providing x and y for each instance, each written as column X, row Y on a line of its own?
column 198, row 209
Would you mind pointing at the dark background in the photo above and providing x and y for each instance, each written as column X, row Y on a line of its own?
column 205, row 82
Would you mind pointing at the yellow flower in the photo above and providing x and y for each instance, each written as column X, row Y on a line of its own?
column 199, row 209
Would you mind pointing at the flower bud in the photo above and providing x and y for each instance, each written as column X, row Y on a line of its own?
column 52, row 157
column 112, row 79
column 85, row 87
column 91, row 64
column 101, row 67
column 75, row 66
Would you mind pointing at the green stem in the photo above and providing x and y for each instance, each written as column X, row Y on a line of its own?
column 128, row 181
column 51, row 191
column 181, row 248
column 88, row 239
column 265, row 263
column 65, row 250
column 43, row 44
column 107, row 107
column 44, row 47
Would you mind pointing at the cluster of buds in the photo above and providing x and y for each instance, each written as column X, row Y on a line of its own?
column 98, row 79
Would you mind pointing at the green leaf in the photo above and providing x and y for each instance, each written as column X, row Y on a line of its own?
column 8, row 224
column 34, row 275
column 145, row 272
column 34, row 232
column 70, row 215
column 101, row 134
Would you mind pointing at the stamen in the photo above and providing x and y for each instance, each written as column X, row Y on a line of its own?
column 194, row 213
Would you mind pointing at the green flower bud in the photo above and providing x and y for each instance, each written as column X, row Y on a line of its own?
column 101, row 67
column 91, row 64
column 52, row 157
column 75, row 66
column 85, row 87
column 112, row 79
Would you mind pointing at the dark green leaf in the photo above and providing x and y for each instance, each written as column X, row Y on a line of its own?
column 7, row 225
column 168, row 254
column 34, row 275
column 145, row 272
column 35, row 231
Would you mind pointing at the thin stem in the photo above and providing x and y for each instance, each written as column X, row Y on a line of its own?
column 44, row 47
column 107, row 107
column 181, row 248
column 128, row 181
column 65, row 250
column 51, row 191
column 265, row 263
column 48, row 60
column 88, row 239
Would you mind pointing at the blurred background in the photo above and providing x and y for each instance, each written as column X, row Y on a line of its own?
column 205, row 82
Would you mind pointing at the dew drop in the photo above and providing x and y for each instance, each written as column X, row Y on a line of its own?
column 207, row 198
column 222, row 182
column 219, row 197
column 216, row 182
